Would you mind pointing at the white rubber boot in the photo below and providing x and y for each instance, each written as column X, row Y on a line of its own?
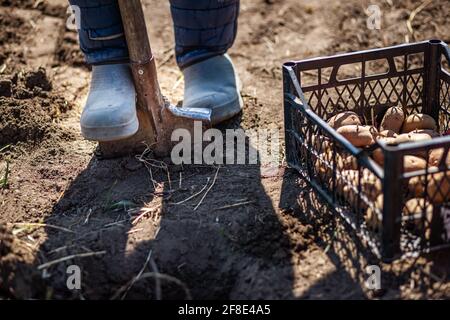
column 213, row 84
column 110, row 111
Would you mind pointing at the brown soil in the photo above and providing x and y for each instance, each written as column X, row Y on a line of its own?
column 68, row 51
column 10, row 26
column 273, row 245
column 14, row 30
column 430, row 23
column 18, row 279
column 49, row 8
column 30, row 109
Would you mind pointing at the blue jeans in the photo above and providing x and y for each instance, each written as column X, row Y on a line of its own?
column 203, row 29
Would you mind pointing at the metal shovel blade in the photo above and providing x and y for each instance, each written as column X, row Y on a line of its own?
column 196, row 114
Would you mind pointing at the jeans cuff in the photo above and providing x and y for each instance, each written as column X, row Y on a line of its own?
column 106, row 45
column 193, row 57
column 107, row 56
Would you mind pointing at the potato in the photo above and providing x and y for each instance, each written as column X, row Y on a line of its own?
column 413, row 163
column 321, row 143
column 393, row 120
column 374, row 214
column 346, row 178
column 321, row 170
column 418, row 121
column 416, row 186
column 431, row 133
column 435, row 157
column 359, row 136
column 438, row 188
column 387, row 140
column 350, row 176
column 414, row 137
column 411, row 137
column 415, row 211
column 416, row 206
column 387, row 134
column 378, row 156
column 320, row 165
column 370, row 185
column 347, row 186
column 347, row 163
column 351, row 196
column 344, row 119
column 410, row 162
column 342, row 163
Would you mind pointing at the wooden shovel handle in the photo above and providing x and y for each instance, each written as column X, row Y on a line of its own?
column 142, row 60
column 135, row 27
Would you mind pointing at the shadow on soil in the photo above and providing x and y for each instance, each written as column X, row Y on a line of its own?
column 232, row 246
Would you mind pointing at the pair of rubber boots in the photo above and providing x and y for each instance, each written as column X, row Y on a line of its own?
column 110, row 111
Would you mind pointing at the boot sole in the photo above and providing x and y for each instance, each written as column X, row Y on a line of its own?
column 108, row 134
column 230, row 109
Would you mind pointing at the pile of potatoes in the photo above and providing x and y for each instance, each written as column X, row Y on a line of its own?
column 395, row 128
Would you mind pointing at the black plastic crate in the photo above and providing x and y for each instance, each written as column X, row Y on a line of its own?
column 413, row 76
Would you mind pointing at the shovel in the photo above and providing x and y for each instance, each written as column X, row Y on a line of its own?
column 157, row 117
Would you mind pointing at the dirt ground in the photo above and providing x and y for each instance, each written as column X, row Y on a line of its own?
column 249, row 239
